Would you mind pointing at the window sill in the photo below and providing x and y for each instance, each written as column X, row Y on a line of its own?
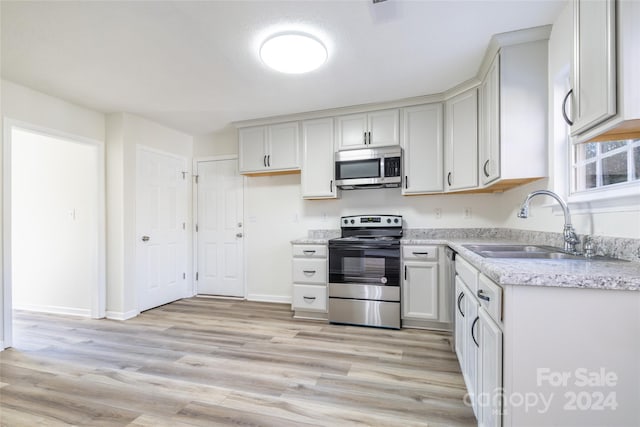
column 618, row 198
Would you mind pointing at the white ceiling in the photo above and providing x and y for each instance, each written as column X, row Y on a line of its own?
column 193, row 65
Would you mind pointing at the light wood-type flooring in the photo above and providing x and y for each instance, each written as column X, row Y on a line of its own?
column 207, row 362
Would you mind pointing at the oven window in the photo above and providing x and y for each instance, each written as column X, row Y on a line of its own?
column 364, row 265
column 359, row 267
column 358, row 169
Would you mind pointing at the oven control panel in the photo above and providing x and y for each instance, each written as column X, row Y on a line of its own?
column 371, row 221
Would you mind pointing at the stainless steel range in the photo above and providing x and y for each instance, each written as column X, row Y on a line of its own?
column 364, row 272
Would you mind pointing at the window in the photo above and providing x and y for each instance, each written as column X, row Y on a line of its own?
column 599, row 165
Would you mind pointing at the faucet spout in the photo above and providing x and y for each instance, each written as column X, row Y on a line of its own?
column 570, row 237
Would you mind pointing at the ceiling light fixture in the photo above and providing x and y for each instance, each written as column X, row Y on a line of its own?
column 293, row 53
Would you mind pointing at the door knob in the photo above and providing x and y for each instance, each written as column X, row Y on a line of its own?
column 145, row 238
column 238, row 234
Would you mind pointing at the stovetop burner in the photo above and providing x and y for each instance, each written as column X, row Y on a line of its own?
column 381, row 230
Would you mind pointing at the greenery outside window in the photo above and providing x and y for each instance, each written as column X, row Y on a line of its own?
column 602, row 165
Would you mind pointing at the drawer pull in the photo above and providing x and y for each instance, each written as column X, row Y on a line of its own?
column 309, row 252
column 421, row 253
column 309, row 298
column 309, row 272
column 481, row 295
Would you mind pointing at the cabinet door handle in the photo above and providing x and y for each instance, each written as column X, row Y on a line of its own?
column 481, row 295
column 309, row 298
column 145, row 238
column 449, row 179
column 331, row 186
column 473, row 336
column 484, row 168
column 564, row 108
column 309, row 251
column 309, row 272
column 364, row 138
column 406, row 181
column 264, row 160
column 405, row 272
column 369, row 137
column 421, row 253
column 269, row 160
column 459, row 302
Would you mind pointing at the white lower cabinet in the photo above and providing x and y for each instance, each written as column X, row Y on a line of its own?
column 471, row 346
column 489, row 380
column 547, row 355
column 425, row 297
column 420, row 290
column 478, row 338
column 309, row 274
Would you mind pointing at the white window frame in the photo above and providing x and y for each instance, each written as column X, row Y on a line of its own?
column 620, row 197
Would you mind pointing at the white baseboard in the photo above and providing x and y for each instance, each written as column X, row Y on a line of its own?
column 2, row 347
column 269, row 298
column 120, row 315
column 54, row 309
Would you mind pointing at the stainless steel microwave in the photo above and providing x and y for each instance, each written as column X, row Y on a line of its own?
column 379, row 167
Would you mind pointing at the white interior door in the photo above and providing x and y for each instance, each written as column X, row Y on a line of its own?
column 220, row 210
column 161, row 210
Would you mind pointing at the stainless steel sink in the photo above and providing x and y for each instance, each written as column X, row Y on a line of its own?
column 529, row 255
column 529, row 252
column 510, row 248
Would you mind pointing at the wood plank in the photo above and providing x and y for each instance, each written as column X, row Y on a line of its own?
column 204, row 361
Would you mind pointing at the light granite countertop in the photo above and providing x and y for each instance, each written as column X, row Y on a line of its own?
column 587, row 274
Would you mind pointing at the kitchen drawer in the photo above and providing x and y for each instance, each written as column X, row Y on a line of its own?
column 310, row 251
column 468, row 273
column 310, row 271
column 426, row 253
column 309, row 298
column 490, row 297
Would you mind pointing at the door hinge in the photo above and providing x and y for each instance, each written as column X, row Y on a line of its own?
column 196, row 228
column 184, row 225
column 184, row 174
column 184, row 276
column 196, row 178
column 197, row 276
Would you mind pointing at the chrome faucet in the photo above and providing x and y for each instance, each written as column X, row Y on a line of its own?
column 570, row 237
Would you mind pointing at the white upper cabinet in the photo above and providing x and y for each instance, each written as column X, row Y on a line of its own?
column 252, row 148
column 317, row 159
column 384, row 128
column 513, row 117
column 461, row 141
column 594, row 63
column 422, row 141
column 489, row 126
column 273, row 148
column 606, row 66
column 374, row 129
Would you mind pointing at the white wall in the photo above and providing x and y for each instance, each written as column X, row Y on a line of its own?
column 124, row 133
column 29, row 106
column 275, row 214
column 54, row 223
column 224, row 141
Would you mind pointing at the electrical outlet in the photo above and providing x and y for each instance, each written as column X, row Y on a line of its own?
column 467, row 213
column 438, row 213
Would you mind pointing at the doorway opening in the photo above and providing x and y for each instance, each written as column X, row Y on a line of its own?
column 54, row 224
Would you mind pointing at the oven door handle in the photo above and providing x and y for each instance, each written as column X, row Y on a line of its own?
column 376, row 246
